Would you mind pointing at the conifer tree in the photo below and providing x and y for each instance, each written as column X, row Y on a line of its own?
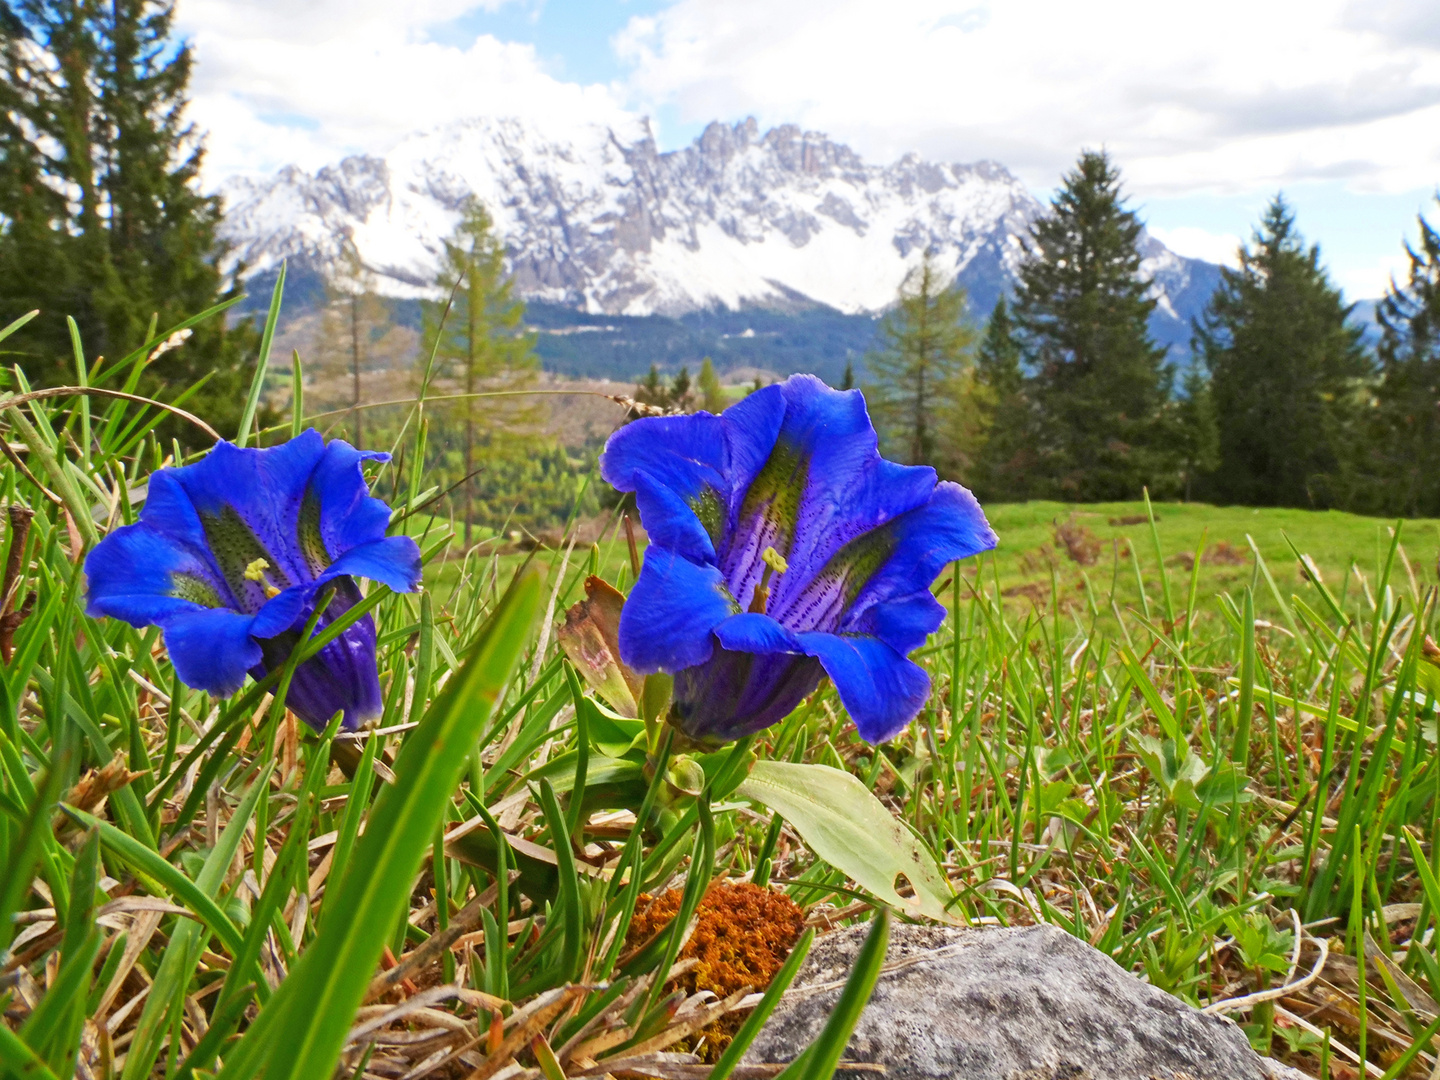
column 848, row 381
column 712, row 394
column 1401, row 464
column 651, row 390
column 1197, row 434
column 101, row 217
column 1100, row 384
column 483, row 345
column 1005, row 459
column 1285, row 368
column 921, row 379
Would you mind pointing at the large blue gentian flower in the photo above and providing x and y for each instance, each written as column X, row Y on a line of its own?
column 228, row 557
column 782, row 546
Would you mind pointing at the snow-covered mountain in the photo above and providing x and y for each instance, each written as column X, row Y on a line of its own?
column 596, row 219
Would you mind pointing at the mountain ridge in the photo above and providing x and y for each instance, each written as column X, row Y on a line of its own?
column 596, row 218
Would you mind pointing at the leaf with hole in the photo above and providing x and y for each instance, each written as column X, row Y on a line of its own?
column 848, row 827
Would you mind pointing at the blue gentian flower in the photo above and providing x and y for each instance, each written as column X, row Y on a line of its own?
column 228, row 557
column 782, row 546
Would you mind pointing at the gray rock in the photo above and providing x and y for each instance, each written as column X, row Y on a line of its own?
column 1029, row 1003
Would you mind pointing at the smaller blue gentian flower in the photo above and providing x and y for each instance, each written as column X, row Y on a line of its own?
column 228, row 558
column 784, row 547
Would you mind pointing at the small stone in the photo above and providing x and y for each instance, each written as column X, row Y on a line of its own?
column 1026, row 1003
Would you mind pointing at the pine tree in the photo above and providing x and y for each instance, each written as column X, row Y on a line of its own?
column 483, row 345
column 919, row 396
column 1285, row 368
column 712, row 394
column 1197, row 433
column 1006, row 457
column 1100, row 384
column 1400, row 466
column 100, row 213
column 848, row 381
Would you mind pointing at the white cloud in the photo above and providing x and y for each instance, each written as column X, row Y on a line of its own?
column 307, row 82
column 1222, row 248
column 1370, row 277
column 1227, row 96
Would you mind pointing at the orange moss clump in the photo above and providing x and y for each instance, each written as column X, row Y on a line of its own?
column 742, row 937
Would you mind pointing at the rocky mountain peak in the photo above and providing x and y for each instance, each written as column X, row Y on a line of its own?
column 595, row 217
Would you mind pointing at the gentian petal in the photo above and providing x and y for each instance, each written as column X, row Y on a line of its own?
column 670, row 613
column 823, row 484
column 950, row 526
column 140, row 576
column 393, row 561
column 751, row 427
column 211, row 649
column 752, row 632
column 342, row 677
column 676, row 465
column 673, row 523
column 903, row 623
column 682, row 453
column 880, row 689
column 349, row 515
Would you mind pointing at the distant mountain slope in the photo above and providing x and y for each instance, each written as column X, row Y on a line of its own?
column 598, row 222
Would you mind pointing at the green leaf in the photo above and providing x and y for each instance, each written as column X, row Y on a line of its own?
column 301, row 1031
column 848, row 827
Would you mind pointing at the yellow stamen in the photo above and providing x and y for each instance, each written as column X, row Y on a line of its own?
column 256, row 572
column 774, row 564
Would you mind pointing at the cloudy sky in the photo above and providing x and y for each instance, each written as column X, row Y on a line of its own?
column 1208, row 108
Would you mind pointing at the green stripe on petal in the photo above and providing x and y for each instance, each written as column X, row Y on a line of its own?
column 307, row 530
column 195, row 589
column 824, row 599
column 775, row 495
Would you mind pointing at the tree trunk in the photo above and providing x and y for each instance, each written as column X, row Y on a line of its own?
column 355, row 366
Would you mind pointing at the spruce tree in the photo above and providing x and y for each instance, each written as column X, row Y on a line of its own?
column 1285, row 369
column 919, row 389
column 1100, row 384
column 1400, row 465
column 1005, row 458
column 1197, row 434
column 483, row 346
column 101, row 217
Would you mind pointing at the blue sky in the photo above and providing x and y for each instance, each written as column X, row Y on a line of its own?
column 1345, row 118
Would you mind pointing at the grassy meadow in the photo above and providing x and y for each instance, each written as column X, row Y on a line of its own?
column 1221, row 773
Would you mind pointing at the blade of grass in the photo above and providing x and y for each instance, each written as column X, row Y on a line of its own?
column 820, row 1058
column 262, row 361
